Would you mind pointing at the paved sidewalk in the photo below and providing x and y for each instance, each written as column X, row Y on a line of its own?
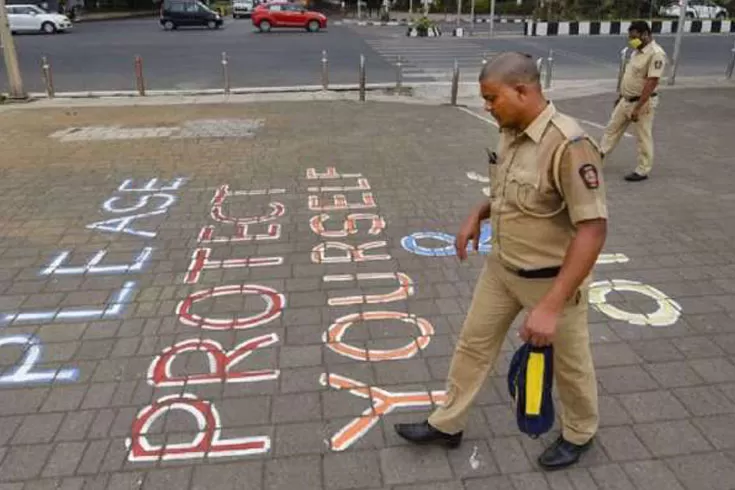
column 133, row 237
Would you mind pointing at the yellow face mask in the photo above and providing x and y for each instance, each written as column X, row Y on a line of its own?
column 635, row 43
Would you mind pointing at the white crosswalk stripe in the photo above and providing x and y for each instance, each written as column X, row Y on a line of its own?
column 432, row 59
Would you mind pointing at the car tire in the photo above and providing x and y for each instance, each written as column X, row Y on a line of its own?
column 721, row 16
column 211, row 24
column 264, row 26
column 689, row 15
column 169, row 26
column 313, row 26
column 48, row 28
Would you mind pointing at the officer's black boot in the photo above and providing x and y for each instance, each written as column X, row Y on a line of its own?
column 562, row 454
column 423, row 433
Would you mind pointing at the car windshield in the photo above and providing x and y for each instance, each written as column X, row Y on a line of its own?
column 37, row 9
column 203, row 7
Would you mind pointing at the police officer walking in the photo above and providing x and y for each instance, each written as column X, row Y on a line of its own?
column 549, row 219
column 637, row 100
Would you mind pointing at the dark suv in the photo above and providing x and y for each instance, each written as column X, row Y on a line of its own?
column 184, row 13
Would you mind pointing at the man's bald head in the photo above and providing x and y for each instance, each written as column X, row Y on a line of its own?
column 511, row 68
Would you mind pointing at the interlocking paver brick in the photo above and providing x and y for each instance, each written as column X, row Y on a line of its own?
column 302, row 438
column 719, row 429
column 529, row 481
column 24, row 462
column 75, row 426
column 8, row 426
column 309, row 407
column 242, row 475
column 396, row 372
column 64, row 459
column 293, row 473
column 716, row 370
column 609, row 354
column 708, row 470
column 509, row 455
column 168, row 478
column 37, row 429
column 499, row 482
column 625, row 379
column 621, row 444
column 472, row 459
column 300, row 356
column 358, row 469
column 672, row 438
column 697, row 347
column 98, row 395
column 572, row 479
column 612, row 412
column 653, row 475
column 673, row 374
column 688, row 261
column 657, row 350
column 403, row 464
column 22, row 401
column 93, row 456
column 611, row 477
column 704, row 400
column 125, row 481
column 652, row 405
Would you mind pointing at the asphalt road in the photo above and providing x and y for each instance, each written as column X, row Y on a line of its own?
column 593, row 57
column 99, row 55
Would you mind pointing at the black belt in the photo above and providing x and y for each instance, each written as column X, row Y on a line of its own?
column 637, row 98
column 545, row 273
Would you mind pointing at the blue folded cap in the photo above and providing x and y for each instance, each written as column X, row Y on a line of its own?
column 530, row 381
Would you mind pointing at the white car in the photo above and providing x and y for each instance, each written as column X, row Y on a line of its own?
column 696, row 9
column 242, row 8
column 31, row 18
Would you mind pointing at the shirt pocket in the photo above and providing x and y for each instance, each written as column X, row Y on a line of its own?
column 533, row 198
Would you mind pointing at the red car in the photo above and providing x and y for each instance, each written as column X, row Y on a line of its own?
column 287, row 14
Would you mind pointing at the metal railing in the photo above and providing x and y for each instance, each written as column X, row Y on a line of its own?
column 545, row 66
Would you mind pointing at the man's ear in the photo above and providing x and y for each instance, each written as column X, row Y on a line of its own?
column 522, row 89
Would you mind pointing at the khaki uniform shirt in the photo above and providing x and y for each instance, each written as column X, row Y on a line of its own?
column 536, row 204
column 649, row 62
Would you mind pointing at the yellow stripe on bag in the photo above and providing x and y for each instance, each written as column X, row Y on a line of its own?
column 534, row 383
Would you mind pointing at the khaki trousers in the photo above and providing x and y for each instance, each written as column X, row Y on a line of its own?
column 619, row 121
column 498, row 298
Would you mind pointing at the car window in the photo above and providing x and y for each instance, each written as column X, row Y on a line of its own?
column 177, row 7
column 275, row 8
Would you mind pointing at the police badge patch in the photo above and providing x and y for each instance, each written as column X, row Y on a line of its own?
column 658, row 64
column 588, row 172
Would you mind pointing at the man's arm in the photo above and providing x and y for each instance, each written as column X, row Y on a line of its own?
column 648, row 89
column 579, row 260
column 655, row 72
column 583, row 189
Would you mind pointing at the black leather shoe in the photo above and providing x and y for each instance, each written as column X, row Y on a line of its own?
column 635, row 177
column 562, row 454
column 423, row 433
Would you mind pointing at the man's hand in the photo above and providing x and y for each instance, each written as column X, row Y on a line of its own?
column 539, row 326
column 635, row 114
column 470, row 230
